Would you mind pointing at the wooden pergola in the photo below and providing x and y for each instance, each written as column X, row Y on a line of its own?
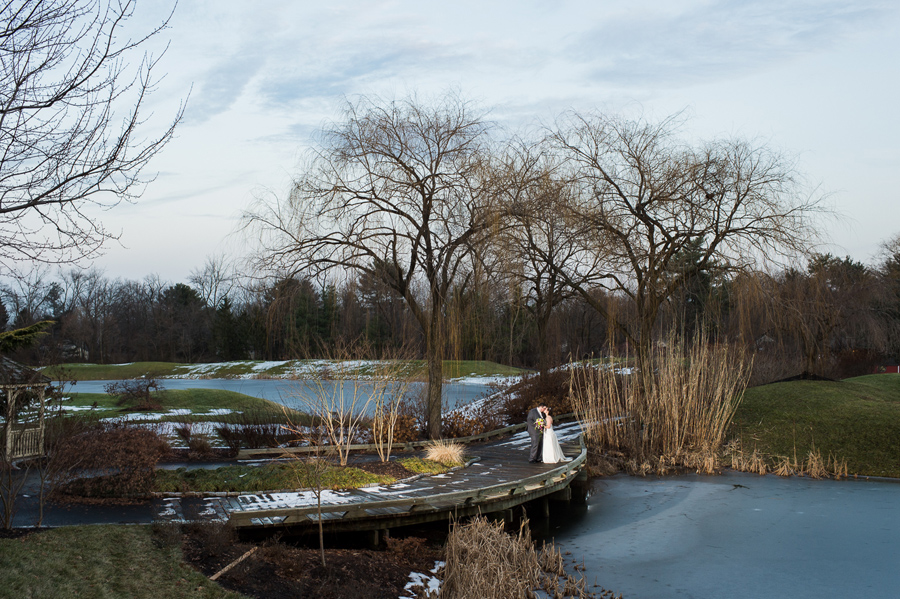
column 21, row 440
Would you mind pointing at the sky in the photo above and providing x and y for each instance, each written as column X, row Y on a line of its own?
column 817, row 80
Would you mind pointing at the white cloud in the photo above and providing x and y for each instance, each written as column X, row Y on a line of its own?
column 816, row 77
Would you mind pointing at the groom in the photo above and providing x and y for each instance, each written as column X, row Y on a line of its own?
column 533, row 415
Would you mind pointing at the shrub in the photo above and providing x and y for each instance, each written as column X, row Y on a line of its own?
column 457, row 424
column 550, row 389
column 197, row 444
column 138, row 394
column 255, row 429
column 408, row 426
column 482, row 561
column 110, row 459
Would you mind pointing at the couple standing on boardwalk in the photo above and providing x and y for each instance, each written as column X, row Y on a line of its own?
column 544, row 444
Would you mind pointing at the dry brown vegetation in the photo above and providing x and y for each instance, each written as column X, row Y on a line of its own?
column 445, row 452
column 121, row 458
column 814, row 466
column 677, row 416
column 484, row 562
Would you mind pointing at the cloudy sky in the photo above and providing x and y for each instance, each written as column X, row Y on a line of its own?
column 817, row 79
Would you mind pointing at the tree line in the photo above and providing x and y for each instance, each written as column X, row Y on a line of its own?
column 834, row 317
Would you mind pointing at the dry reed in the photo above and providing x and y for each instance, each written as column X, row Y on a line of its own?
column 681, row 413
column 838, row 467
column 484, row 562
column 786, row 467
column 815, row 465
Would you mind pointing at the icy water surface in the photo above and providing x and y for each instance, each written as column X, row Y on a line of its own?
column 738, row 536
column 289, row 392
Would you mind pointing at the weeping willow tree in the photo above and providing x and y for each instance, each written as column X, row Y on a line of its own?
column 398, row 191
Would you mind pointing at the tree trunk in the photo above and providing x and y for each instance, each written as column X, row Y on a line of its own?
column 434, row 357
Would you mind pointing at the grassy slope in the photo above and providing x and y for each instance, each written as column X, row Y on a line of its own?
column 196, row 400
column 856, row 419
column 99, row 561
column 99, row 372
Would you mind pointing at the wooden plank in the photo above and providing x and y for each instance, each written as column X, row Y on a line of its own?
column 500, row 478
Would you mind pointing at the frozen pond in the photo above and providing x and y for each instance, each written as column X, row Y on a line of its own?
column 738, row 536
column 288, row 392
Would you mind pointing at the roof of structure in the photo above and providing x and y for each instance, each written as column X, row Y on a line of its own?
column 14, row 374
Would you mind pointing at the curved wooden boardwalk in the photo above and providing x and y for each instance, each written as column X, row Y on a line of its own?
column 500, row 478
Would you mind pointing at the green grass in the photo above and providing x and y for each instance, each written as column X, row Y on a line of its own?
column 458, row 368
column 97, row 372
column 856, row 419
column 103, row 372
column 199, row 401
column 101, row 562
column 420, row 466
column 293, row 475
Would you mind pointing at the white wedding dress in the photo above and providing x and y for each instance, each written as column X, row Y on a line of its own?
column 552, row 452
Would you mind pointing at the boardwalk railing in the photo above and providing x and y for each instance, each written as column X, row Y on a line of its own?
column 486, row 499
column 24, row 442
column 272, row 452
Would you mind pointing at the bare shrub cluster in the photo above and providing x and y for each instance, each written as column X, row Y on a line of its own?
column 197, row 443
column 136, row 394
column 253, row 430
column 358, row 401
column 109, row 459
column 551, row 388
column 675, row 415
column 484, row 562
column 474, row 421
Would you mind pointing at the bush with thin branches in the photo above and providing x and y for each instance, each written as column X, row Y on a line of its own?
column 349, row 397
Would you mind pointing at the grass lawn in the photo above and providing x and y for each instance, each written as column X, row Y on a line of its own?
column 264, row 478
column 856, row 419
column 281, row 368
column 99, row 561
column 201, row 402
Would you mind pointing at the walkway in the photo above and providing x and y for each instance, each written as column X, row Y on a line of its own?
column 501, row 477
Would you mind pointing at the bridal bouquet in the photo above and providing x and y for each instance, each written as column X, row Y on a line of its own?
column 539, row 425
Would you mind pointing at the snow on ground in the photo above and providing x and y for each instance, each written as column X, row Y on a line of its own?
column 429, row 582
column 497, row 379
column 288, row 368
column 564, row 432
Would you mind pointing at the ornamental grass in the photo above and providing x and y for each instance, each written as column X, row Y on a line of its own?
column 445, row 452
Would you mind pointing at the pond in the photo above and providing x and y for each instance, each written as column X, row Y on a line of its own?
column 738, row 536
column 289, row 392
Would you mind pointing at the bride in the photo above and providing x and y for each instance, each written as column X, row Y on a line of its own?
column 551, row 450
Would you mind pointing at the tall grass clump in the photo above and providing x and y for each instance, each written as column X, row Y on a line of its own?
column 445, row 452
column 482, row 561
column 676, row 413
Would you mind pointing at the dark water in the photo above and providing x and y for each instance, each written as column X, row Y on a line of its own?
column 291, row 392
column 736, row 535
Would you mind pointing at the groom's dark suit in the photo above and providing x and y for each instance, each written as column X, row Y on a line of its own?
column 535, row 455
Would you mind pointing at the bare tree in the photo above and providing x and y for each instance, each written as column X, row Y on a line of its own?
column 395, row 192
column 71, row 117
column 537, row 242
column 215, row 280
column 643, row 197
